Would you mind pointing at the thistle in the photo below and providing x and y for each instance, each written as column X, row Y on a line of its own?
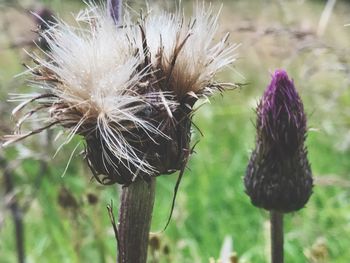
column 279, row 176
column 128, row 90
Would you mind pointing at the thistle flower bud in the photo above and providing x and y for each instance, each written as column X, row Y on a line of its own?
column 44, row 19
column 128, row 90
column 278, row 176
column 115, row 9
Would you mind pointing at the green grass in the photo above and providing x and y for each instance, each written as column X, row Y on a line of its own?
column 211, row 202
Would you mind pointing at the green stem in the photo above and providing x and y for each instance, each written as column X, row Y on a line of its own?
column 135, row 216
column 276, row 219
column 16, row 210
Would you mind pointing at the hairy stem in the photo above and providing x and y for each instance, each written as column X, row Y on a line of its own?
column 276, row 220
column 135, row 216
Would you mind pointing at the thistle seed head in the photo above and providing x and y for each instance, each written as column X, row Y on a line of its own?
column 279, row 176
column 128, row 88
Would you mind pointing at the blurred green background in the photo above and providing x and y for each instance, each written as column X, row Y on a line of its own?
column 65, row 218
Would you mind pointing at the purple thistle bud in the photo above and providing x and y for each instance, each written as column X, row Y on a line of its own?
column 44, row 18
column 279, row 176
column 115, row 9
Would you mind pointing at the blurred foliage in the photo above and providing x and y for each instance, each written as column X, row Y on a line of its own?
column 65, row 217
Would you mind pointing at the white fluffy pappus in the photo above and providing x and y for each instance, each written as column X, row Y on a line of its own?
column 186, row 50
column 105, row 81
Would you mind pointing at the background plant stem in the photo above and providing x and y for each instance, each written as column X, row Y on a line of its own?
column 135, row 216
column 16, row 212
column 276, row 220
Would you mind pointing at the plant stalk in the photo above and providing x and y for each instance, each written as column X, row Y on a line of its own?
column 135, row 214
column 276, row 220
column 16, row 212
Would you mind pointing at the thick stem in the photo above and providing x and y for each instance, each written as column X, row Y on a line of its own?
column 135, row 216
column 276, row 220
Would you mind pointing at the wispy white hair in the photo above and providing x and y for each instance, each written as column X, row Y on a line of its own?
column 100, row 77
column 187, row 50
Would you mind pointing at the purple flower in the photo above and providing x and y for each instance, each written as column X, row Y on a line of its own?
column 115, row 9
column 44, row 19
column 279, row 176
